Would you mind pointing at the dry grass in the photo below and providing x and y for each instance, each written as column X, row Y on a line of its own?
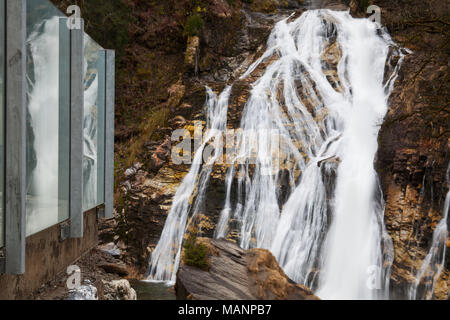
column 148, row 127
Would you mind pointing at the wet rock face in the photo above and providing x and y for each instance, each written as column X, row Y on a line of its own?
column 229, row 40
column 148, row 199
column 414, row 139
column 237, row 274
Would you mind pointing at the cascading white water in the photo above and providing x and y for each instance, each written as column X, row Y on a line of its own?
column 325, row 111
column 166, row 256
column 433, row 263
column 43, row 105
column 353, row 243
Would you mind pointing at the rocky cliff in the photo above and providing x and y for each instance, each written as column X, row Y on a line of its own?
column 413, row 152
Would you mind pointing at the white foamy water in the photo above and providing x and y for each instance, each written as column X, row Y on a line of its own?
column 166, row 257
column 325, row 225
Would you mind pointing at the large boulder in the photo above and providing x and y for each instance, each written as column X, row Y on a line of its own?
column 237, row 274
column 118, row 290
column 84, row 292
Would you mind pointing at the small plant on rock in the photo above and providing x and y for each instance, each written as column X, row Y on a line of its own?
column 195, row 253
column 194, row 25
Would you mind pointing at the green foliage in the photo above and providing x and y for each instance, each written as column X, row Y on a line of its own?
column 363, row 4
column 195, row 254
column 194, row 25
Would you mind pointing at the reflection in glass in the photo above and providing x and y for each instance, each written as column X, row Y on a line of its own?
column 48, row 117
column 2, row 107
column 93, row 58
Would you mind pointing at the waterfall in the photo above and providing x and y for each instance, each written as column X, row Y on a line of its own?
column 301, row 174
column 433, row 264
column 166, row 256
column 353, row 244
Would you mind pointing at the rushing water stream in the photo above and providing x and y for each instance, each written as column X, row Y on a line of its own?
column 314, row 114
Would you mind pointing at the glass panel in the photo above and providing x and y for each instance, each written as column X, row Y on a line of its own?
column 92, row 56
column 2, row 106
column 101, row 128
column 48, row 116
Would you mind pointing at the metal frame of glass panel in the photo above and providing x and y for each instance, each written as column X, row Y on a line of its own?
column 109, row 133
column 2, row 122
column 76, row 128
column 101, row 96
column 15, row 136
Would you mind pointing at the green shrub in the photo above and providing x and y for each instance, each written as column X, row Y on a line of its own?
column 195, row 254
column 363, row 4
column 194, row 25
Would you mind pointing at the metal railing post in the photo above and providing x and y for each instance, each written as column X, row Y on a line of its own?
column 109, row 133
column 15, row 141
column 76, row 131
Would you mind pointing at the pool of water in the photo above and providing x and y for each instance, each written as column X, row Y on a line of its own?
column 152, row 291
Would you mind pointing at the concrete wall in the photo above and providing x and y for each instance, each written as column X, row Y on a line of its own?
column 46, row 256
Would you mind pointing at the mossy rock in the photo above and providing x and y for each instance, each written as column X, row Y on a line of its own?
column 195, row 253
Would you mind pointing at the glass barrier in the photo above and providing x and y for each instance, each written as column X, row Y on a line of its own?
column 94, row 128
column 48, row 116
column 2, row 121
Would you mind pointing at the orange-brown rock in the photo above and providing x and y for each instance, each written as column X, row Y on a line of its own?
column 238, row 274
column 413, row 152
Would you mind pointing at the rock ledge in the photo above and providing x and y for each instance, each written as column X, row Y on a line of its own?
column 237, row 274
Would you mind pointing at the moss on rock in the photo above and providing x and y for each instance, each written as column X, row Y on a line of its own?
column 195, row 253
